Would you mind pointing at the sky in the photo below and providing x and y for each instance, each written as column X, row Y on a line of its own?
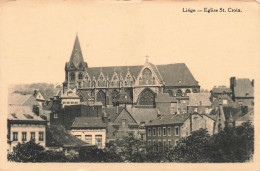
column 37, row 38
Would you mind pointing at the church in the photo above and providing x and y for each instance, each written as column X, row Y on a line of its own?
column 139, row 84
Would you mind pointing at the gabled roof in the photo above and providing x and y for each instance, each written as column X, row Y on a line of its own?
column 171, row 74
column 109, row 71
column 47, row 93
column 169, row 120
column 199, row 99
column 22, row 113
column 57, row 136
column 221, row 89
column 244, row 88
column 176, row 75
column 88, row 122
column 19, row 99
column 142, row 114
column 112, row 112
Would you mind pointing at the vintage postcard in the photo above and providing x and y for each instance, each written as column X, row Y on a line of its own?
column 97, row 85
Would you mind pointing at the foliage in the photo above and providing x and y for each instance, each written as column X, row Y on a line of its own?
column 235, row 144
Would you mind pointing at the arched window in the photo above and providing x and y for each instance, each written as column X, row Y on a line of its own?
column 129, row 93
column 179, row 93
column 114, row 94
column 126, row 83
column 101, row 97
column 194, row 90
column 80, row 76
column 72, row 76
column 187, row 91
column 147, row 97
column 147, row 76
column 170, row 92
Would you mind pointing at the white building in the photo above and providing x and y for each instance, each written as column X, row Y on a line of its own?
column 92, row 130
column 24, row 125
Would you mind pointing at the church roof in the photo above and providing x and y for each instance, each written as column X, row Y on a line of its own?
column 172, row 74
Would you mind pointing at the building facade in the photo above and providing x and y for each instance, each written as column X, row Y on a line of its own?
column 24, row 125
column 142, row 83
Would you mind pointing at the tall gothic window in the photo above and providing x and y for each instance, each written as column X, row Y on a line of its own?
column 80, row 76
column 147, row 97
column 114, row 94
column 147, row 76
column 101, row 97
column 72, row 76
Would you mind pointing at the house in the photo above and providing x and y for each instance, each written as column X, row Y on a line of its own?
column 167, row 130
column 65, row 116
column 225, row 100
column 142, row 82
column 59, row 139
column 171, row 105
column 232, row 116
column 69, row 97
column 44, row 96
column 24, row 125
column 92, row 130
column 220, row 91
column 199, row 102
column 242, row 91
column 16, row 99
column 129, row 121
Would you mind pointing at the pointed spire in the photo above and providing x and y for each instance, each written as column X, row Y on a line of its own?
column 76, row 55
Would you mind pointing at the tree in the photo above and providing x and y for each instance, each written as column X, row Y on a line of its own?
column 27, row 152
column 32, row 152
column 233, row 144
column 194, row 148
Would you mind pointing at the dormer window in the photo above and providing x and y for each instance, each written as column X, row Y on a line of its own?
column 69, row 93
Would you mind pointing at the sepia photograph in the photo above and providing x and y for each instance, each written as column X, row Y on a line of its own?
column 129, row 82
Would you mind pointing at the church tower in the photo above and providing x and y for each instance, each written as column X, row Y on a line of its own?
column 75, row 68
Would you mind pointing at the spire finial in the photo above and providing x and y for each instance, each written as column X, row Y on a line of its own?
column 147, row 56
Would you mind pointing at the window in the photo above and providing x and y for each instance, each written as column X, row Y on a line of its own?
column 224, row 101
column 32, row 135
column 78, row 136
column 164, row 143
column 72, row 102
column 40, row 136
column 149, row 131
column 164, row 131
column 176, row 131
column 98, row 140
column 123, row 122
column 195, row 109
column 142, row 136
column 15, row 136
column 207, row 110
column 154, row 142
column 24, row 136
column 169, row 131
column 154, row 131
column 159, row 131
column 176, row 142
column 169, row 143
column 56, row 115
column 149, row 142
column 130, row 134
column 88, row 139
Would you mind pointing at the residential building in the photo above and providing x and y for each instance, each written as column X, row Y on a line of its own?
column 199, row 103
column 142, row 83
column 92, row 130
column 167, row 130
column 59, row 139
column 242, row 91
column 129, row 121
column 24, row 125
column 43, row 96
column 16, row 99
column 220, row 91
